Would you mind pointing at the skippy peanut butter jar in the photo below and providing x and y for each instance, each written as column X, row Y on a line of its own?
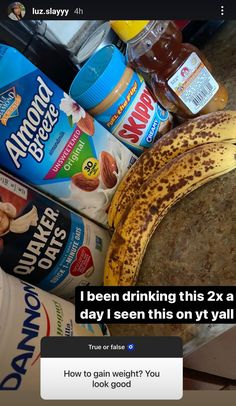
column 119, row 99
column 53, row 248
column 48, row 140
column 26, row 315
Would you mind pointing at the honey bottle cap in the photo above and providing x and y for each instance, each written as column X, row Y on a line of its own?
column 128, row 29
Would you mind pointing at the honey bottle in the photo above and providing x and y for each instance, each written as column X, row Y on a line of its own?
column 180, row 76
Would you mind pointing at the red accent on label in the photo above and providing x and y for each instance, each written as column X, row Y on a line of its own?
column 138, row 120
column 185, row 72
column 82, row 263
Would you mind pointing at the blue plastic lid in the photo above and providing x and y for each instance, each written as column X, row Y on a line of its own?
column 98, row 77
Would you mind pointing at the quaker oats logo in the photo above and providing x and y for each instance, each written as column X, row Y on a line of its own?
column 9, row 103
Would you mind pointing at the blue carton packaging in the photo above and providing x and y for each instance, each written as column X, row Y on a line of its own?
column 51, row 142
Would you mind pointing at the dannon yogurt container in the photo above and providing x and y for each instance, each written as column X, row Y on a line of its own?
column 46, row 244
column 51, row 142
column 26, row 315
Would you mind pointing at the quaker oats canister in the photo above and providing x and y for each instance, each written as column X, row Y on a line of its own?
column 46, row 244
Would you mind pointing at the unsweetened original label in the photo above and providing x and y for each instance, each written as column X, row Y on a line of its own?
column 49, row 141
column 53, row 248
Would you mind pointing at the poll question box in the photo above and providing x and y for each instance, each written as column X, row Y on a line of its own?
column 110, row 368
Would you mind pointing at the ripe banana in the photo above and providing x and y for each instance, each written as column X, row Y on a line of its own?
column 161, row 191
column 213, row 127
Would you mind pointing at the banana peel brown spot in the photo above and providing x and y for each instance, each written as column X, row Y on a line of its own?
column 197, row 173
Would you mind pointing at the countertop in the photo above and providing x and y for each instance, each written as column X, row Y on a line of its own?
column 221, row 53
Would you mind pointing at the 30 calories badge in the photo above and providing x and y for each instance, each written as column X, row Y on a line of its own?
column 9, row 103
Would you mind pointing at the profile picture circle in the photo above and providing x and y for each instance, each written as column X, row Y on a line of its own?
column 16, row 11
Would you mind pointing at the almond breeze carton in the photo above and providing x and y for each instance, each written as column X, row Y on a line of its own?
column 49, row 141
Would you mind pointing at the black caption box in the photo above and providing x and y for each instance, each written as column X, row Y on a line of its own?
column 164, row 304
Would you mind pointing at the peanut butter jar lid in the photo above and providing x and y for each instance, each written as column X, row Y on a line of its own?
column 98, row 77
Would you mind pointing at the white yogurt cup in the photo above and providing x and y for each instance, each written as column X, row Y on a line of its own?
column 27, row 314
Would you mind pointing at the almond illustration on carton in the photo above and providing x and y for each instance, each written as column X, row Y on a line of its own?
column 108, row 169
column 88, row 185
column 86, row 124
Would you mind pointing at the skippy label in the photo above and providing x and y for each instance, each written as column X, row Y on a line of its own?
column 135, row 118
column 49, row 141
column 31, row 315
column 54, row 248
